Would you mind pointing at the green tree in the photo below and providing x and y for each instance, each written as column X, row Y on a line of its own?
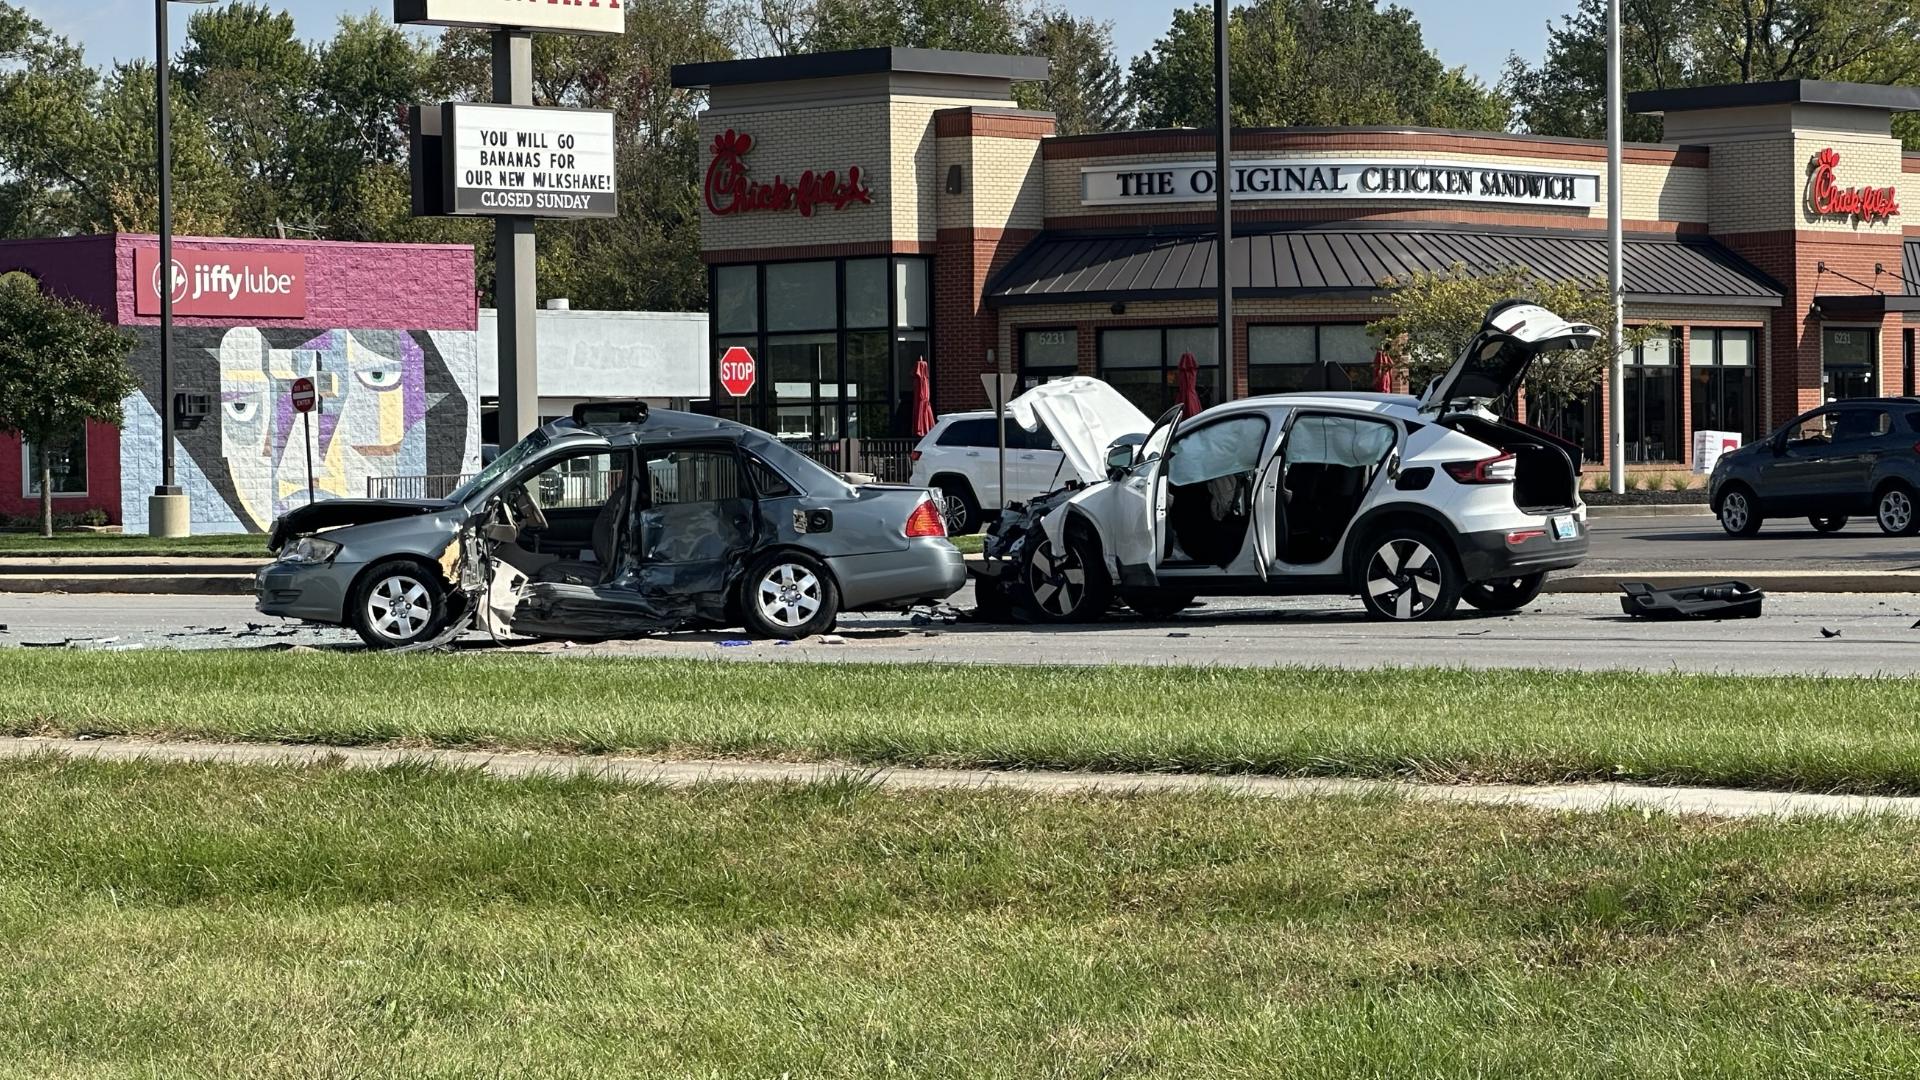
column 61, row 365
column 1309, row 63
column 1084, row 89
column 250, row 80
column 1432, row 317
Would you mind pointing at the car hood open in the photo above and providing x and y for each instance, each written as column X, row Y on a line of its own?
column 334, row 513
column 1490, row 368
column 1085, row 416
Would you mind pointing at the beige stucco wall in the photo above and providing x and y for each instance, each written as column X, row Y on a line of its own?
column 1760, row 159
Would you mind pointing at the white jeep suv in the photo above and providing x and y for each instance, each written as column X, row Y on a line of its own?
column 960, row 458
column 1411, row 504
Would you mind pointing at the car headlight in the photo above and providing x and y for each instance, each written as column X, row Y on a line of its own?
column 309, row 551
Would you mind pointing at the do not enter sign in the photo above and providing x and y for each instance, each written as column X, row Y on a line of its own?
column 737, row 371
column 303, row 396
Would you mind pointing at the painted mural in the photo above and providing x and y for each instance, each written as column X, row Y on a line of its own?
column 392, row 403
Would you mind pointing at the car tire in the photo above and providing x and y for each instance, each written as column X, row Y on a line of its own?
column 1157, row 604
column 1407, row 574
column 1069, row 587
column 398, row 603
column 1827, row 524
column 1895, row 512
column 1504, row 594
column 787, row 595
column 1738, row 513
column 958, row 505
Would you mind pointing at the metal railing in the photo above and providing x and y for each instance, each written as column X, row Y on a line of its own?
column 415, row 487
column 887, row 460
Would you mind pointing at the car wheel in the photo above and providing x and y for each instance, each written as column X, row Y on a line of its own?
column 1157, row 603
column 1504, row 594
column 1827, row 524
column 788, row 596
column 1738, row 514
column 398, row 603
column 1408, row 574
column 1063, row 586
column 1894, row 511
column 958, row 506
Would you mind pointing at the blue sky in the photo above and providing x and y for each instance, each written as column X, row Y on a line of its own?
column 1477, row 33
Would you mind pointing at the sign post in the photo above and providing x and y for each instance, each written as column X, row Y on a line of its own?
column 304, row 399
column 1000, row 387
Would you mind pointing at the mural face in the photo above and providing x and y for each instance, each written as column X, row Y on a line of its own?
column 391, row 404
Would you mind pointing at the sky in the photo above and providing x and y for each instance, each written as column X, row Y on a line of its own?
column 1476, row 33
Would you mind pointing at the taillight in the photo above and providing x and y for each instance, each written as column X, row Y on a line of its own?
column 1521, row 536
column 913, row 455
column 1493, row 470
column 926, row 520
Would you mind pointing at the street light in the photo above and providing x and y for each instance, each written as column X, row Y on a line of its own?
column 167, row 508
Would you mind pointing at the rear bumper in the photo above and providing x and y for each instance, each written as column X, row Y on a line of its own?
column 1487, row 555
column 926, row 570
column 316, row 593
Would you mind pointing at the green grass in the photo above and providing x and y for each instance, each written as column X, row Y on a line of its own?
column 971, row 544
column 188, row 921
column 1859, row 735
column 228, row 545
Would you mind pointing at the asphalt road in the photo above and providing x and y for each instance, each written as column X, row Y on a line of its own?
column 1874, row 636
column 1697, row 543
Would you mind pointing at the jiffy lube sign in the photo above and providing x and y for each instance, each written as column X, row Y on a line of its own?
column 222, row 282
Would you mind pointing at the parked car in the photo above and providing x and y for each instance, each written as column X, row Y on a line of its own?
column 960, row 458
column 604, row 530
column 1860, row 456
column 1412, row 504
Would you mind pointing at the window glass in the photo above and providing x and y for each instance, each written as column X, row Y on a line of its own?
column 1736, row 348
column 910, row 292
column 1811, row 428
column 1853, row 425
column 1216, row 450
column 1280, row 345
column 869, row 395
column 1346, row 344
column 1338, row 440
column 866, row 292
column 1050, row 350
column 588, row 480
column 1700, row 348
column 736, row 299
column 692, row 476
column 1202, row 341
column 803, row 372
column 800, row 296
column 767, row 483
column 68, row 462
column 1129, row 348
column 1656, row 351
column 967, row 433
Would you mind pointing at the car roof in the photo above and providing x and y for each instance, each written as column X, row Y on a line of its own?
column 1404, row 406
column 672, row 424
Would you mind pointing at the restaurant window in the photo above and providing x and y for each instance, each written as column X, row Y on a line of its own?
column 1576, row 420
column 67, row 460
column 1143, row 364
column 1286, row 359
column 1850, row 362
column 1048, row 354
column 1653, row 401
column 736, row 299
column 1722, row 381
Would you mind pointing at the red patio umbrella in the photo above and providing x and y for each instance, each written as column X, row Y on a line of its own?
column 1382, row 372
column 922, row 400
column 1187, row 385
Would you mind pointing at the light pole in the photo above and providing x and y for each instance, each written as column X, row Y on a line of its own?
column 167, row 507
column 1616, row 266
column 1223, row 197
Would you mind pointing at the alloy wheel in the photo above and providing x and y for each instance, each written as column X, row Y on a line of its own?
column 1403, row 579
column 954, row 509
column 789, row 595
column 399, row 608
column 1056, row 580
column 1734, row 512
column 1896, row 511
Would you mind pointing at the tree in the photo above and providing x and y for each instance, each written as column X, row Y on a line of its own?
column 61, row 365
column 1084, row 89
column 1309, row 63
column 1435, row 315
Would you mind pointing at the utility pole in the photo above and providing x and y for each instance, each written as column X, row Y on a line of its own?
column 513, row 274
column 1616, row 265
column 1223, row 198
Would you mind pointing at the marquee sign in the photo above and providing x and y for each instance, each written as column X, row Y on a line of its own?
column 222, row 283
column 1826, row 198
column 527, row 161
column 729, row 190
column 563, row 16
column 1397, row 179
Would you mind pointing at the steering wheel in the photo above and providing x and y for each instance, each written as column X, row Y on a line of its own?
column 527, row 510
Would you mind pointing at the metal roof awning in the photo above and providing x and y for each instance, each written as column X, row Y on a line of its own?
column 1851, row 305
column 1349, row 258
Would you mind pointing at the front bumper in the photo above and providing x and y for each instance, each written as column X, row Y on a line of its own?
column 1485, row 556
column 925, row 570
column 304, row 591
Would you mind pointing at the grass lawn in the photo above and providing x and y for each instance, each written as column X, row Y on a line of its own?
column 229, row 545
column 1860, row 735
column 187, row 921
column 972, row 544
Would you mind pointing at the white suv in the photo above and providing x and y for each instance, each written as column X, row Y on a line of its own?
column 961, row 458
column 1411, row 504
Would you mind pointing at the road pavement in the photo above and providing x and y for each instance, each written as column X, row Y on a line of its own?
column 1698, row 543
column 1872, row 635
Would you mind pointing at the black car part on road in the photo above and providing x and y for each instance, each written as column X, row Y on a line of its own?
column 1718, row 600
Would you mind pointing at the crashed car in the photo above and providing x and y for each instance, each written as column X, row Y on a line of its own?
column 594, row 529
column 1412, row 504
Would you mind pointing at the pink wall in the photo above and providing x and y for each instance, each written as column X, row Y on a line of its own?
column 103, row 478
column 76, row 267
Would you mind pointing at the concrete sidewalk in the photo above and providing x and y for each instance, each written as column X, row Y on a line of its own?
column 1710, row 802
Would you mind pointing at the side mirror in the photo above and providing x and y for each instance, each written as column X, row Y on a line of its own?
column 1122, row 455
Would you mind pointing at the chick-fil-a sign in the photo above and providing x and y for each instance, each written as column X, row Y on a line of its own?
column 1826, row 198
column 730, row 191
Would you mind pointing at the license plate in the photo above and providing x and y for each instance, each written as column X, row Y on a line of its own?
column 1565, row 528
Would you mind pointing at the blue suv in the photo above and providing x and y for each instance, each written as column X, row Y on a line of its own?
column 1860, row 456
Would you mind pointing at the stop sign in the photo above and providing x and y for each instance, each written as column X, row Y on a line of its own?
column 737, row 371
column 303, row 395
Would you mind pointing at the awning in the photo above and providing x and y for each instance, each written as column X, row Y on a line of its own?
column 1864, row 305
column 1071, row 267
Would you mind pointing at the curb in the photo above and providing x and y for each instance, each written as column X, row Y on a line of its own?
column 145, row 584
column 1840, row 581
column 1651, row 510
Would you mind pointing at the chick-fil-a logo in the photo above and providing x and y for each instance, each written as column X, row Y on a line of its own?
column 730, row 191
column 1826, row 198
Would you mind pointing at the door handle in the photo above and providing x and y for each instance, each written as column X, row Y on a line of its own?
column 973, row 453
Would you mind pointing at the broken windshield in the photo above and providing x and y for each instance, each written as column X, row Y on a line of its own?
column 516, row 454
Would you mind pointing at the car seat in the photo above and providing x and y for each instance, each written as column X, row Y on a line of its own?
column 606, row 532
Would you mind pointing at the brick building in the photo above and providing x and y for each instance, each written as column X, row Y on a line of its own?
column 867, row 209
